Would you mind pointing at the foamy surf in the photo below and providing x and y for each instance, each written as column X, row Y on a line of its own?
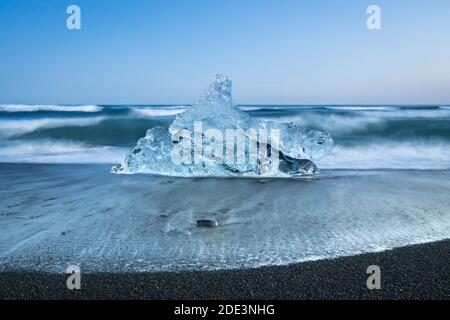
column 417, row 155
column 158, row 112
column 51, row 151
column 83, row 215
column 44, row 107
column 13, row 127
column 365, row 137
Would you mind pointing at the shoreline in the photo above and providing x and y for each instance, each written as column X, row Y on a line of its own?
column 83, row 215
column 412, row 272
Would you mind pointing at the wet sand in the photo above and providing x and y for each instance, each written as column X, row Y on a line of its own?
column 53, row 216
column 136, row 236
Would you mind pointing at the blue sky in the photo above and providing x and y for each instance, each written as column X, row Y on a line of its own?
column 286, row 52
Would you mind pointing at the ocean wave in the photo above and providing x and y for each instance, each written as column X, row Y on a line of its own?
column 260, row 108
column 44, row 107
column 397, row 138
column 266, row 108
column 157, row 112
column 318, row 107
column 361, row 108
column 410, row 113
column 47, row 151
column 419, row 155
column 333, row 123
column 374, row 124
column 11, row 128
column 270, row 108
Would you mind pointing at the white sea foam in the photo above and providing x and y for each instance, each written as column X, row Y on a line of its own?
column 270, row 107
column 418, row 155
column 116, row 225
column 9, row 128
column 361, row 108
column 48, row 151
column 253, row 108
column 337, row 123
column 44, row 107
column 365, row 111
column 333, row 123
column 157, row 112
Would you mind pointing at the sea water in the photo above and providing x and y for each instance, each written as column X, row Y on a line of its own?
column 385, row 184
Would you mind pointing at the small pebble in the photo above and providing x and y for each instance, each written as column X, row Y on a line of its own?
column 207, row 223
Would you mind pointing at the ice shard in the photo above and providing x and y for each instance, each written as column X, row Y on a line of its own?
column 215, row 138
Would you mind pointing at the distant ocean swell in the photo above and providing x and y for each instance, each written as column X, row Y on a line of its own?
column 366, row 137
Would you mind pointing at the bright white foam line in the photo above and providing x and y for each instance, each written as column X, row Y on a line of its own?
column 247, row 108
column 43, row 107
column 419, row 155
column 60, row 152
column 270, row 107
column 256, row 108
column 157, row 112
column 17, row 127
column 361, row 108
column 37, row 107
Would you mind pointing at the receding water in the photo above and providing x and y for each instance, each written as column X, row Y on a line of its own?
column 54, row 215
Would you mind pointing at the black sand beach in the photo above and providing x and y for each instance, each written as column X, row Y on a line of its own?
column 413, row 272
column 134, row 237
column 228, row 150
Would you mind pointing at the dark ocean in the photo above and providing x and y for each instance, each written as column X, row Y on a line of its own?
column 61, row 205
column 365, row 137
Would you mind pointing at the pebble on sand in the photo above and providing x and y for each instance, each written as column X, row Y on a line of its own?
column 207, row 223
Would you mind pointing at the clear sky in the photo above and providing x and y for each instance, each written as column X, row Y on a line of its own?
column 277, row 51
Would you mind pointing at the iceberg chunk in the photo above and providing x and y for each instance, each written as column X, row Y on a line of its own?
column 215, row 138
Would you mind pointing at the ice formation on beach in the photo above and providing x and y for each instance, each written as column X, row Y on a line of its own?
column 279, row 149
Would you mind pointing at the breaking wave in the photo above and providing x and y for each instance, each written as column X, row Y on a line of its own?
column 158, row 112
column 55, row 108
column 419, row 155
column 366, row 137
column 48, row 151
